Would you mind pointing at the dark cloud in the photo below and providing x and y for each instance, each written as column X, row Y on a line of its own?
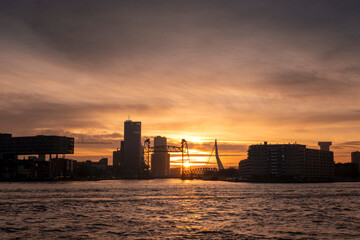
column 351, row 69
column 27, row 112
column 313, row 120
column 340, row 117
column 352, row 143
column 301, row 84
column 94, row 33
column 84, row 137
column 349, row 144
column 337, row 147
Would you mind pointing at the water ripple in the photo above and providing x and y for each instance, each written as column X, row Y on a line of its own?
column 173, row 209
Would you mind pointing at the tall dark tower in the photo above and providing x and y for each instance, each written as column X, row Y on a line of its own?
column 355, row 158
column 132, row 148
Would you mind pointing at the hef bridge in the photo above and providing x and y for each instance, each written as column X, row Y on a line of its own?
column 186, row 172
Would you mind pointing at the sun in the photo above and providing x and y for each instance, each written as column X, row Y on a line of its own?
column 186, row 164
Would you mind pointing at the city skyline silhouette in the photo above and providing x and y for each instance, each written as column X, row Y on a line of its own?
column 241, row 72
column 179, row 119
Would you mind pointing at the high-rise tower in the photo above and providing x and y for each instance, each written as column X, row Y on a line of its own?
column 355, row 158
column 131, row 165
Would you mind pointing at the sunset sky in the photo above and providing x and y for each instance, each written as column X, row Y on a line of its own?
column 242, row 72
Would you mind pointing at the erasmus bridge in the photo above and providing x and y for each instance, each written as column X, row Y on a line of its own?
column 202, row 170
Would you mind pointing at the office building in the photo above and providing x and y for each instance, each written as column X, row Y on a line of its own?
column 131, row 164
column 160, row 160
column 118, row 155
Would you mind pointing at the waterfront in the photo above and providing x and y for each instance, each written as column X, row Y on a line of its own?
column 171, row 208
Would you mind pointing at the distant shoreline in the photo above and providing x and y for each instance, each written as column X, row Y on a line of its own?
column 212, row 180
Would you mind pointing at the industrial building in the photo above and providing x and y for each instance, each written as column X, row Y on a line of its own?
column 30, row 169
column 287, row 162
column 61, row 168
column 35, row 167
column 93, row 170
column 11, row 147
column 160, row 160
column 348, row 171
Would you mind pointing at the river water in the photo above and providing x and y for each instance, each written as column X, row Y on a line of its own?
column 175, row 209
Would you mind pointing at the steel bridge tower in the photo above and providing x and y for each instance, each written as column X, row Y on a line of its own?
column 185, row 157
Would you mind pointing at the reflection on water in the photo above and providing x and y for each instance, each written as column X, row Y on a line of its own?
column 170, row 208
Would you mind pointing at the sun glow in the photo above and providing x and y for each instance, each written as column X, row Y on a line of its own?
column 186, row 164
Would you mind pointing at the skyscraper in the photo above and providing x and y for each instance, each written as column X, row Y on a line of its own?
column 355, row 158
column 160, row 160
column 131, row 164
